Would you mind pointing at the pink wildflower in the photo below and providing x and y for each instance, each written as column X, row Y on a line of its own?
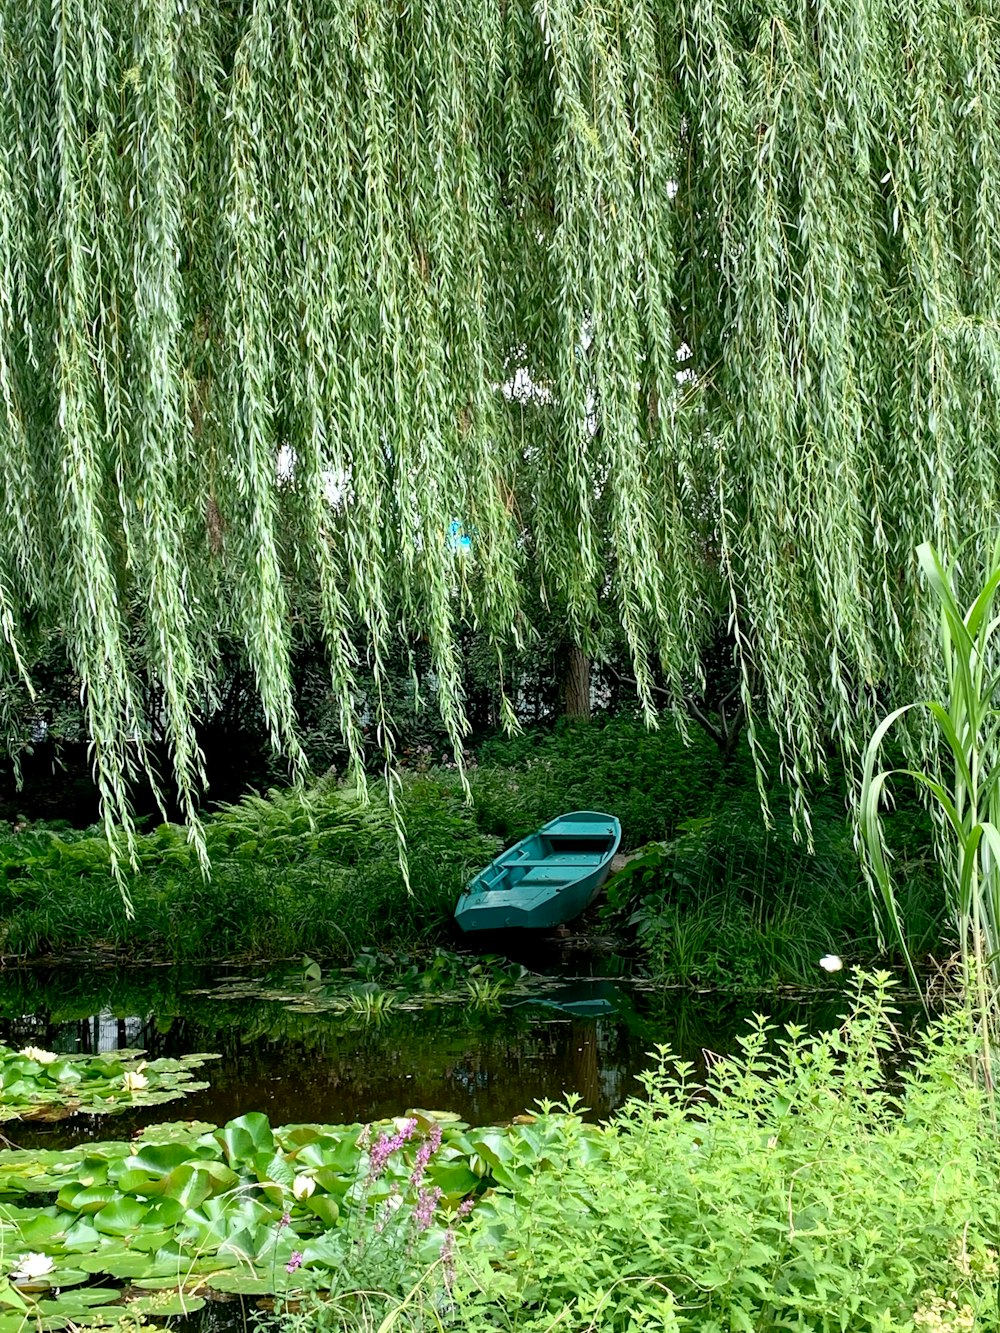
column 424, row 1210
column 425, row 1152
column 466, row 1206
column 294, row 1261
column 386, row 1145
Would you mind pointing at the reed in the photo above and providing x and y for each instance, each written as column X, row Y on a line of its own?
column 958, row 773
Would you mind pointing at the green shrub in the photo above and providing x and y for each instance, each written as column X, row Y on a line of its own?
column 805, row 1186
column 651, row 780
column 732, row 902
column 809, row 1184
column 294, row 871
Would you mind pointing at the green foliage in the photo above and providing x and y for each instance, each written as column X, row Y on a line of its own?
column 375, row 985
column 221, row 416
column 188, row 1206
column 651, row 780
column 724, row 900
column 42, row 1085
column 312, row 871
column 808, row 1183
column 805, row 1185
column 961, row 779
column 733, row 903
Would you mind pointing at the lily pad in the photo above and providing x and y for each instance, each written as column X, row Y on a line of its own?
column 238, row 1282
column 42, row 1086
column 166, row 1303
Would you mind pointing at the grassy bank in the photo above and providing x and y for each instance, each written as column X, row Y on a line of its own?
column 717, row 898
column 294, row 872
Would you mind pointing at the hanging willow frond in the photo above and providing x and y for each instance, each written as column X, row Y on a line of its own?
column 650, row 303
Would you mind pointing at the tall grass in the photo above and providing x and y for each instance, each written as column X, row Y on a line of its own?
column 732, row 902
column 961, row 783
column 296, row 871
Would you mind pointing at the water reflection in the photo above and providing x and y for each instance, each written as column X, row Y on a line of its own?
column 584, row 1035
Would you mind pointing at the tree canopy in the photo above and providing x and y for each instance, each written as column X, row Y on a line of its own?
column 313, row 307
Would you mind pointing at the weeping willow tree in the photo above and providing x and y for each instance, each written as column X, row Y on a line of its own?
column 704, row 292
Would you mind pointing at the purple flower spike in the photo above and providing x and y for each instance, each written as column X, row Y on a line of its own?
column 294, row 1262
column 424, row 1210
column 425, row 1152
column 466, row 1206
column 386, row 1145
column 284, row 1220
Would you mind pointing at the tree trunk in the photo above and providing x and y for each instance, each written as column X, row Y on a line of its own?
column 577, row 683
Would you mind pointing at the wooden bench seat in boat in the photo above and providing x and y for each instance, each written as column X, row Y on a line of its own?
column 558, row 859
column 572, row 830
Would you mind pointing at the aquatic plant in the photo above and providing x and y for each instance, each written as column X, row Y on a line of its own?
column 37, row 1084
column 188, row 1206
column 486, row 992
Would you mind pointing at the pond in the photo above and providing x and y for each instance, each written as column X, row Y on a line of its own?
column 484, row 1039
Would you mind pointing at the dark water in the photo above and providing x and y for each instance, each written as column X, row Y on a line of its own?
column 557, row 1034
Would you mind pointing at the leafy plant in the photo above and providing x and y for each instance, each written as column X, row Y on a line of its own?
column 296, row 872
column 731, row 902
column 652, row 780
column 42, row 1085
column 961, row 781
column 807, row 1183
column 243, row 1209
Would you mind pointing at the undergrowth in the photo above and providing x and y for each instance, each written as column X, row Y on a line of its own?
column 731, row 902
column 716, row 897
column 651, row 780
column 294, row 871
column 807, row 1184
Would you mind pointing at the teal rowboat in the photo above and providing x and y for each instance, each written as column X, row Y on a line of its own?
column 545, row 879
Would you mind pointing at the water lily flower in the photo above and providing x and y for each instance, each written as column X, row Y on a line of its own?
column 38, row 1055
column 303, row 1187
column 830, row 962
column 133, row 1081
column 32, row 1266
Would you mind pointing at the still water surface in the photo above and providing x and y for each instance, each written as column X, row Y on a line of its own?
column 285, row 1053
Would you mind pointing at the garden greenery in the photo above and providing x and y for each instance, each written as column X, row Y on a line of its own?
column 36, row 1084
column 960, row 781
column 316, row 307
column 298, row 871
column 804, row 1185
column 809, row 1182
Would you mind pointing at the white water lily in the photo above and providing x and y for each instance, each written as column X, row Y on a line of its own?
column 303, row 1187
column 133, row 1081
column 32, row 1266
column 830, row 962
column 37, row 1054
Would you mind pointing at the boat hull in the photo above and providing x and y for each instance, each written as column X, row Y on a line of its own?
column 545, row 880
